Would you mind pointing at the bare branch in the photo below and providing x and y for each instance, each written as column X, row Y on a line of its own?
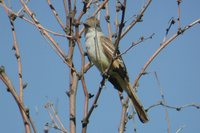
column 46, row 34
column 100, row 7
column 18, row 15
column 121, row 26
column 177, row 108
column 66, row 10
column 72, row 100
column 52, row 113
column 84, row 128
column 179, row 14
column 142, row 39
column 123, row 120
column 164, row 101
column 163, row 45
column 85, row 121
column 56, row 15
column 17, row 55
column 85, row 8
column 81, row 75
column 138, row 18
column 12, row 90
column 107, row 17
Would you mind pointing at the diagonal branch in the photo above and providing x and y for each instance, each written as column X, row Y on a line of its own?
column 138, row 18
column 18, row 57
column 46, row 34
column 102, row 83
column 162, row 46
column 12, row 90
column 56, row 14
column 85, row 121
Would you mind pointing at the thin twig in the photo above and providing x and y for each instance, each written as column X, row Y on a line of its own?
column 107, row 17
column 81, row 76
column 116, row 20
column 138, row 18
column 172, row 21
column 65, row 8
column 53, row 126
column 179, row 14
column 164, row 101
column 84, row 10
column 58, row 118
column 31, row 22
column 52, row 113
column 87, row 66
column 51, row 116
column 56, row 15
column 17, row 55
column 123, row 120
column 85, row 121
column 177, row 108
column 12, row 90
column 180, row 129
column 121, row 26
column 100, row 7
column 86, row 103
column 46, row 34
column 162, row 46
column 142, row 39
column 98, row 15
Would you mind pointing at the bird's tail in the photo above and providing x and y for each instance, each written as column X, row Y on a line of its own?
column 137, row 105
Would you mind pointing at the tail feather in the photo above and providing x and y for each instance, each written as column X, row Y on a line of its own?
column 137, row 105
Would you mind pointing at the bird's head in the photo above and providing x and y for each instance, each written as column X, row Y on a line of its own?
column 92, row 22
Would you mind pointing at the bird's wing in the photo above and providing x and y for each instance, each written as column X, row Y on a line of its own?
column 108, row 47
column 119, row 70
column 118, row 65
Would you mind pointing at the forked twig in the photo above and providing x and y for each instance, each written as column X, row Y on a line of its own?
column 54, row 118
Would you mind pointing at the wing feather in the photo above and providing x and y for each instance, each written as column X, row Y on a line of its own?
column 118, row 65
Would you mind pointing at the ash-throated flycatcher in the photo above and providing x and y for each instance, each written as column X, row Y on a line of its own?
column 100, row 50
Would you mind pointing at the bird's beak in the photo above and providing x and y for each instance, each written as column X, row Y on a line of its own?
column 85, row 24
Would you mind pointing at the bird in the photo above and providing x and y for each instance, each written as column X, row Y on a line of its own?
column 100, row 50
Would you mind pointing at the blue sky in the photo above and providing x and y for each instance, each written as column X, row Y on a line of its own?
column 47, row 76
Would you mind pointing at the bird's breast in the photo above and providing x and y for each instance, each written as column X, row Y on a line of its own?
column 95, row 51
